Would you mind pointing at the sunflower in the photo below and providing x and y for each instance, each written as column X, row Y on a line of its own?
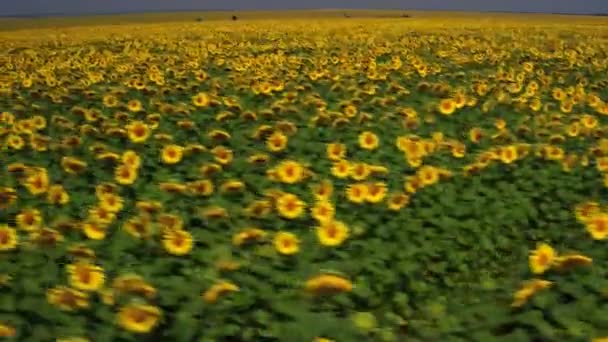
column 222, row 155
column 259, row 209
column 335, row 151
column 85, row 276
column 323, row 190
column 138, row 227
column 37, row 183
column 323, row 211
column 324, row 284
column 177, row 242
column 8, row 196
column 217, row 290
column 397, row 201
column 138, row 318
column 597, row 226
column 341, row 169
column 201, row 100
column 138, row 131
column 57, row 195
column 8, row 238
column 332, row 233
column 359, row 171
column 276, row 142
column 542, row 258
column 7, row 330
column 172, row 154
column 203, row 187
column 29, row 219
column 248, row 235
column 133, row 284
column 15, row 142
column 73, row 165
column 94, row 230
column 67, row 299
column 528, row 290
column 110, row 101
column 447, row 106
column 286, row 243
column 111, row 202
column 134, row 106
column 290, row 206
column 428, row 175
column 368, row 141
column 508, row 154
column 102, row 216
column 375, row 192
column 356, row 193
column 290, row 172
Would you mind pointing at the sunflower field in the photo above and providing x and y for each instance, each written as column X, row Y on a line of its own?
column 305, row 180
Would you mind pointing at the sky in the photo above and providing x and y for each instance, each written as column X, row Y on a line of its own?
column 38, row 7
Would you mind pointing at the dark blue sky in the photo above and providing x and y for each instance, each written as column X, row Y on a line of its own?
column 9, row 7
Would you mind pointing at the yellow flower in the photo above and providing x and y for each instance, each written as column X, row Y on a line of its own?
column 133, row 284
column 8, row 238
column 397, row 201
column 138, row 226
column 597, row 226
column 125, row 175
column 566, row 262
column 247, row 236
column 138, row 318
column 202, row 187
column 177, row 242
column 57, row 195
column 7, row 330
column 323, row 190
column 29, row 219
column 290, row 172
column 447, row 106
column 359, row 171
column 134, row 105
column 542, row 258
column 138, row 131
column 111, row 202
column 357, row 193
column 201, row 100
column 328, row 284
column 323, row 211
column 94, row 230
column 131, row 159
column 67, row 299
column 222, row 155
column 8, row 196
column 286, row 243
column 375, row 192
column 528, row 290
column 332, row 233
column 336, row 151
column 73, row 165
column 368, row 141
column 276, row 142
column 290, row 206
column 428, row 175
column 37, row 182
column 172, row 154
column 341, row 169
column 85, row 276
column 217, row 290
column 508, row 154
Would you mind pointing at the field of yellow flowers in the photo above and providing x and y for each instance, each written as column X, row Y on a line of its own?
column 305, row 180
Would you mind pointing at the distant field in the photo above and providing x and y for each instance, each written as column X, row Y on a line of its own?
column 14, row 23
column 302, row 176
